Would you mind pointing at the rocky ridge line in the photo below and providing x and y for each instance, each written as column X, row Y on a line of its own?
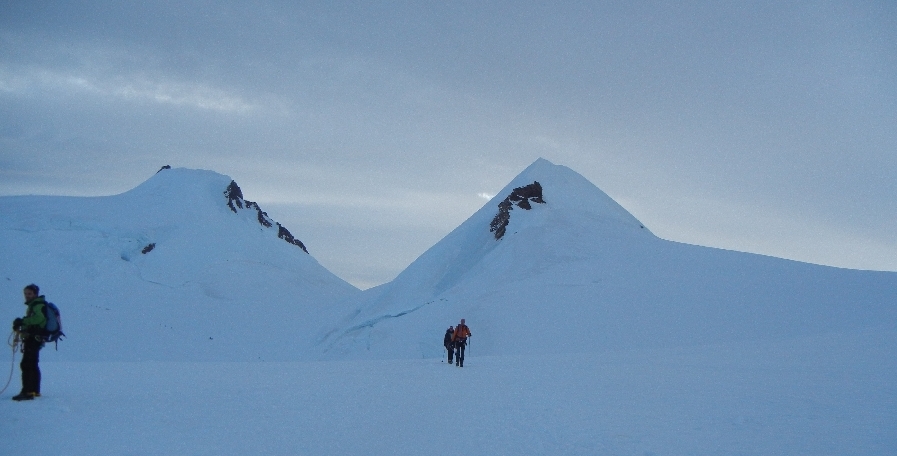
column 235, row 200
column 521, row 197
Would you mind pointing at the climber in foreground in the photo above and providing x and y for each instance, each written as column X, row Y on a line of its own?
column 31, row 329
column 459, row 338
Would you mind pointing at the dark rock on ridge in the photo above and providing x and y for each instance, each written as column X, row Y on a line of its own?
column 285, row 234
column 234, row 196
column 521, row 197
column 235, row 200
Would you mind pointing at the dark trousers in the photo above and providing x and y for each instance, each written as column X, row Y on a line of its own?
column 459, row 352
column 29, row 365
column 450, row 348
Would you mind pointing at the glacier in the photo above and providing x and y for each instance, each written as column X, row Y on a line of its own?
column 591, row 335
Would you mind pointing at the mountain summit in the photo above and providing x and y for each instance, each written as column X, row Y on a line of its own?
column 553, row 264
column 185, row 189
column 182, row 259
column 568, row 192
column 545, row 217
column 547, row 207
column 184, row 267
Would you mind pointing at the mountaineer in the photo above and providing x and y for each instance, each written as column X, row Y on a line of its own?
column 30, row 329
column 459, row 338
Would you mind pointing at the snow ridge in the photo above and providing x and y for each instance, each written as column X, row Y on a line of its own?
column 581, row 274
column 182, row 257
column 622, row 343
column 235, row 200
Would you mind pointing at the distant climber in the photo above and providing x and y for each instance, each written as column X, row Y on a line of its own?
column 30, row 329
column 448, row 344
column 459, row 338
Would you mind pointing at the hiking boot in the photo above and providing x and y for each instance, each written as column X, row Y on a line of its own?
column 23, row 396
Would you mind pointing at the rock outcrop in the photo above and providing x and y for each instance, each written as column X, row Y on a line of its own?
column 235, row 200
column 521, row 197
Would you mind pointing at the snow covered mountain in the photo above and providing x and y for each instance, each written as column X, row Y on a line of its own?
column 182, row 267
column 655, row 347
column 554, row 265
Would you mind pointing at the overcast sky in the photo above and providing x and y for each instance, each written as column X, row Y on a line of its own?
column 372, row 129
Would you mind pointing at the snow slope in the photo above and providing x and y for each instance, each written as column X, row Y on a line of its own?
column 214, row 281
column 831, row 395
column 578, row 273
column 591, row 336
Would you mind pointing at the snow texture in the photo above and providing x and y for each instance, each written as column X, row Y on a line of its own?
column 590, row 335
column 166, row 271
column 579, row 274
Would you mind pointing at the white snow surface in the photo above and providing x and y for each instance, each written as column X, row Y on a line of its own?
column 826, row 395
column 215, row 285
column 579, row 274
column 590, row 336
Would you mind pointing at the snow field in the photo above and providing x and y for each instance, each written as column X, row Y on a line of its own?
column 821, row 395
column 591, row 336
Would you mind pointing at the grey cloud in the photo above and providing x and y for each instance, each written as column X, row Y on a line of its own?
column 693, row 114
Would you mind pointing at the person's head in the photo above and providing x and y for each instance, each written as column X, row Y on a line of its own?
column 31, row 291
column 451, row 328
column 462, row 321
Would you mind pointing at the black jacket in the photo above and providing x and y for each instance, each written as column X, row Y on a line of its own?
column 447, row 340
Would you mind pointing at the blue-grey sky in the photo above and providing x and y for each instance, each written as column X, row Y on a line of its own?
column 372, row 129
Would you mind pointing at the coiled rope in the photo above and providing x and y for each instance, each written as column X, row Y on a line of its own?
column 13, row 341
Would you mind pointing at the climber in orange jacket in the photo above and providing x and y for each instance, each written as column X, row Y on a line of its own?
column 459, row 338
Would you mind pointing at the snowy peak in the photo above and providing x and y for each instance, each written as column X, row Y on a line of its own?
column 549, row 218
column 567, row 192
column 554, row 199
column 566, row 264
column 546, row 208
column 199, row 187
column 183, row 242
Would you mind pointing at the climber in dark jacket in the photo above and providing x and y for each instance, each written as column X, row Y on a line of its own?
column 448, row 344
column 30, row 329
